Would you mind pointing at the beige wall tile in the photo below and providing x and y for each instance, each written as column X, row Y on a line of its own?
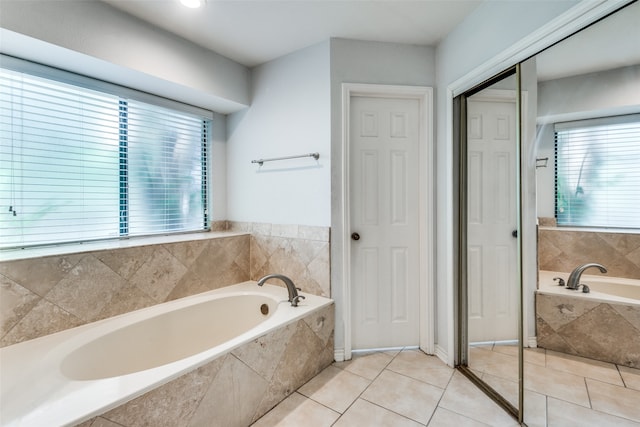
column 87, row 289
column 15, row 302
column 159, row 274
column 232, row 398
column 41, row 274
column 44, row 319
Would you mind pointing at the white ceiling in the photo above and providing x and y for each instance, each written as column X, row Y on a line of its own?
column 254, row 32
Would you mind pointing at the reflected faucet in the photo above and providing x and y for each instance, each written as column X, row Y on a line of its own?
column 574, row 278
column 294, row 298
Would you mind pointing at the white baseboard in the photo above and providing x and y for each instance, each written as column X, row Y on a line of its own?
column 338, row 354
column 532, row 342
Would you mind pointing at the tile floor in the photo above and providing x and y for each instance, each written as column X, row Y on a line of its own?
column 410, row 388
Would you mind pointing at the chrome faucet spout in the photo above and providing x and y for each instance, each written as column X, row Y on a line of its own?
column 294, row 298
column 574, row 278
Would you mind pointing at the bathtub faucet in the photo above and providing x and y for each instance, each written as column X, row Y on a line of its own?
column 294, row 298
column 574, row 278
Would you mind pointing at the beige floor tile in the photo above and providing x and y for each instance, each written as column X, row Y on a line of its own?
column 630, row 376
column 531, row 355
column 295, row 411
column 366, row 414
column 565, row 414
column 589, row 368
column 422, row 367
column 493, row 362
column 535, row 409
column 367, row 365
column 403, row 395
column 536, row 356
column 614, row 400
column 335, row 388
column 561, row 385
column 445, row 418
column 507, row 369
column 464, row 398
column 507, row 388
column 509, row 350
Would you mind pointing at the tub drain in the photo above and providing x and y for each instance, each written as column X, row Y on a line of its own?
column 264, row 309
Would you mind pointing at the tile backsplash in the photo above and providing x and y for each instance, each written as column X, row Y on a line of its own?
column 44, row 295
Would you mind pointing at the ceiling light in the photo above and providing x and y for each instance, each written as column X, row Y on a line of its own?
column 193, row 4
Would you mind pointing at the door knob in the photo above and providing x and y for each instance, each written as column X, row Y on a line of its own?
column 514, row 233
column 355, row 236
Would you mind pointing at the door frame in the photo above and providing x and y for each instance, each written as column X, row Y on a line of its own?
column 426, row 189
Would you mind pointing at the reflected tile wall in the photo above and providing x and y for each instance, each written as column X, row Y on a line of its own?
column 300, row 252
column 46, row 295
column 238, row 388
column 563, row 250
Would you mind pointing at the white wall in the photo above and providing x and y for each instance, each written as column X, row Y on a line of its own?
column 489, row 31
column 93, row 38
column 355, row 61
column 289, row 115
column 601, row 94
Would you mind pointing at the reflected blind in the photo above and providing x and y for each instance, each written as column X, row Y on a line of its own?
column 598, row 172
column 78, row 164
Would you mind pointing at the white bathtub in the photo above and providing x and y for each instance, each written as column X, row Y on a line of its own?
column 71, row 376
column 602, row 288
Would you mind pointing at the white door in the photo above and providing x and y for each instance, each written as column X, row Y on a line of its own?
column 384, row 216
column 492, row 280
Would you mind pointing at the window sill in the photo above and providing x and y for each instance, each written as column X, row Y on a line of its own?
column 75, row 248
column 591, row 229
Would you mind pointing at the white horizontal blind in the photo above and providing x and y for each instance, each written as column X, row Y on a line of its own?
column 165, row 158
column 598, row 172
column 78, row 164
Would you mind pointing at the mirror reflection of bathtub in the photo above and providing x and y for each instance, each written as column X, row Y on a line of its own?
column 603, row 324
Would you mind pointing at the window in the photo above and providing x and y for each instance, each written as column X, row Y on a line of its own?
column 79, row 164
column 598, row 172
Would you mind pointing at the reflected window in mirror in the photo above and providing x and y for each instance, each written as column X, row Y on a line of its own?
column 597, row 177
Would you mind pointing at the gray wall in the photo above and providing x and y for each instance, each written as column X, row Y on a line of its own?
column 289, row 115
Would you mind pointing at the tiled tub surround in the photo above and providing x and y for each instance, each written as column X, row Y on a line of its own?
column 44, row 295
column 41, row 296
column 300, row 252
column 231, row 384
column 560, row 249
column 596, row 325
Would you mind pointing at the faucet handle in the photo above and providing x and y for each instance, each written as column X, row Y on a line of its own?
column 585, row 288
column 560, row 281
column 296, row 300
